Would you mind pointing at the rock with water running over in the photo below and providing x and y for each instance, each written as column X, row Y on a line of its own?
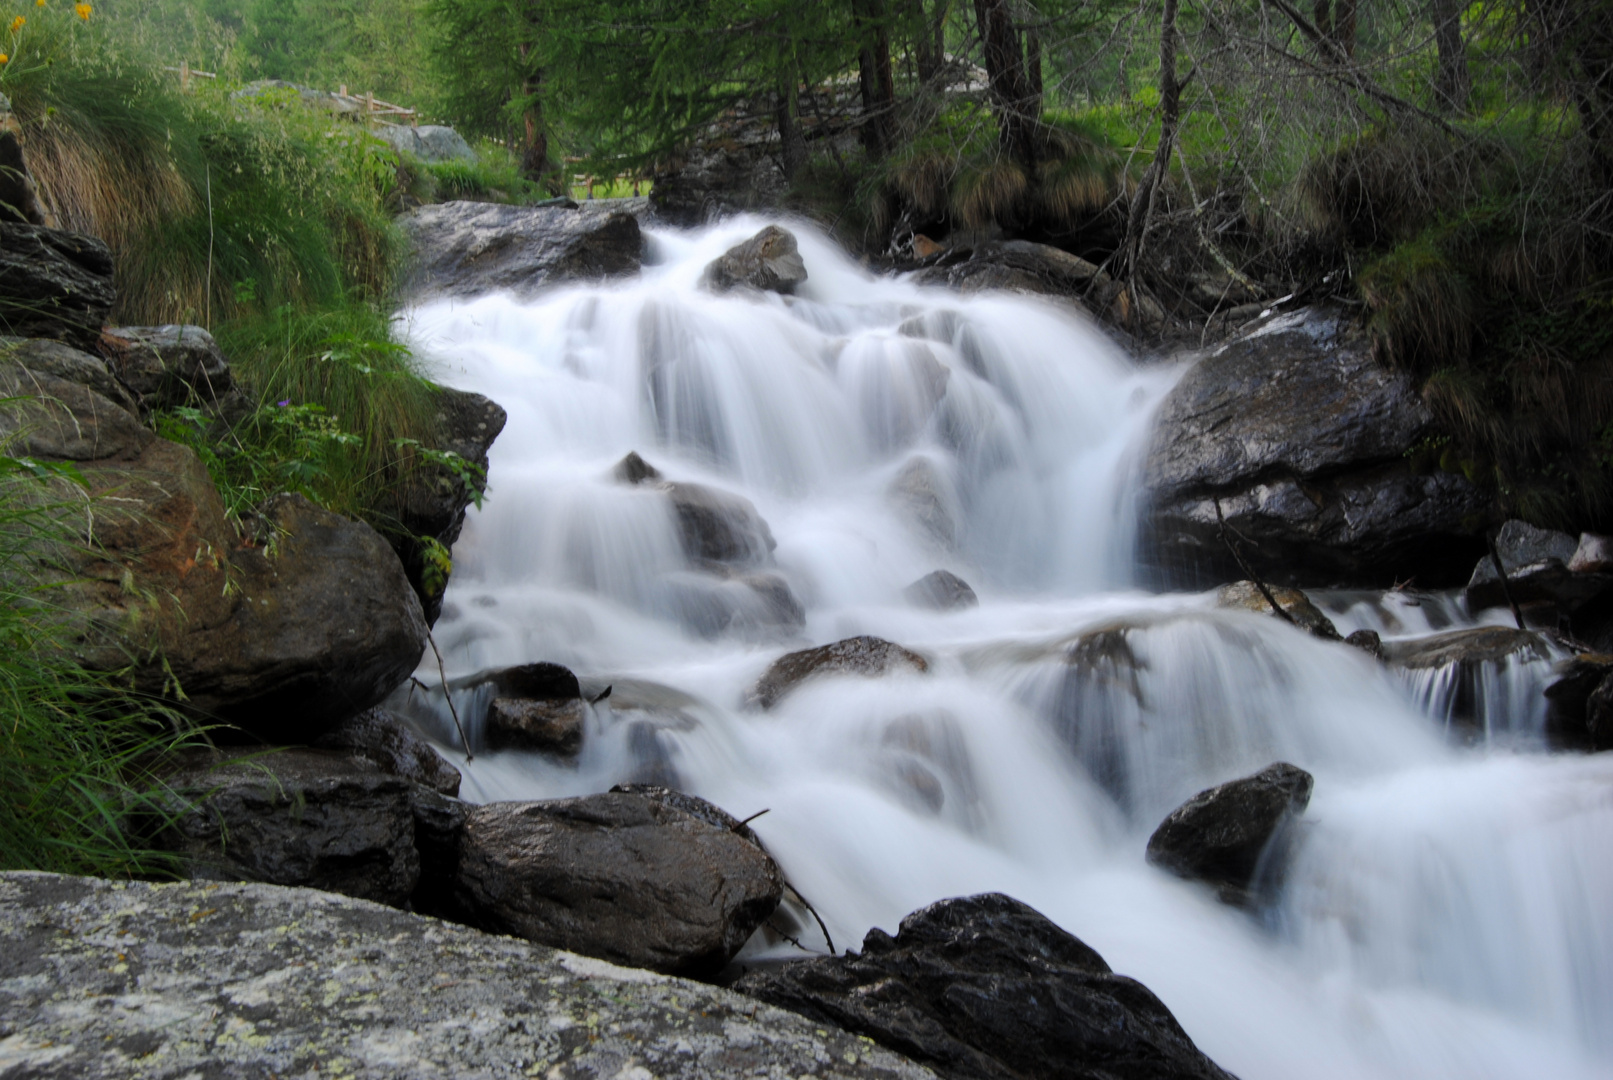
column 1024, row 266
column 1220, row 835
column 54, row 284
column 1537, row 564
column 108, row 981
column 628, row 876
column 922, row 493
column 379, row 738
column 169, row 366
column 1592, row 555
column 1308, row 443
column 317, row 818
column 985, row 986
column 769, row 261
column 869, row 657
column 941, row 590
column 466, row 248
column 1475, row 646
column 535, row 707
column 714, row 526
column 1246, row 596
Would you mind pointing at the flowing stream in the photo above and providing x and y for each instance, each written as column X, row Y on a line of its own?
column 1449, row 907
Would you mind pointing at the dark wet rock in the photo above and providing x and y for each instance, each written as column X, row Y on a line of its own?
column 1219, row 835
column 168, row 366
column 869, row 657
column 553, row 727
column 1246, row 596
column 731, row 167
column 325, row 627
column 19, row 196
column 922, row 494
column 427, row 142
column 46, row 357
column 624, row 876
column 465, row 248
column 769, row 261
column 382, row 739
column 432, row 502
column 1592, row 555
column 1368, row 641
column 633, row 469
column 719, row 526
column 985, row 986
column 1480, row 645
column 1536, row 562
column 535, row 707
column 250, row 981
column 315, row 818
column 941, row 590
column 1303, row 437
column 54, row 284
column 1579, row 713
column 58, row 418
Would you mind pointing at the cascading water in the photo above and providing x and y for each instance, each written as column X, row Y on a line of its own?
column 1447, row 912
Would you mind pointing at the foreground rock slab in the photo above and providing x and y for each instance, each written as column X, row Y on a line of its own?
column 628, row 876
column 988, row 987
column 54, row 284
column 101, row 980
column 1219, row 835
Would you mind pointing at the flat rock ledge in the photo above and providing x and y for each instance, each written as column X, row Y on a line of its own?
column 111, row 979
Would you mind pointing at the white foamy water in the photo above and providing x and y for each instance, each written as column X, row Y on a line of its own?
column 1449, row 910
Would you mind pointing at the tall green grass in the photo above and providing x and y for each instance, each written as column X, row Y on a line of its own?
column 77, row 749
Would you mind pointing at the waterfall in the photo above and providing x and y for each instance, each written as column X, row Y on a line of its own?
column 1446, row 912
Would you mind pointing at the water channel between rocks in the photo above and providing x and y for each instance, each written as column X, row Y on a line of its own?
column 1449, row 909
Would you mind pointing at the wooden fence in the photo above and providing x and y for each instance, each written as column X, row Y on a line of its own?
column 366, row 106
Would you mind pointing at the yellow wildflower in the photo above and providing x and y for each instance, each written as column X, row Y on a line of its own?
column 4, row 59
column 39, row 3
column 83, row 11
column 16, row 24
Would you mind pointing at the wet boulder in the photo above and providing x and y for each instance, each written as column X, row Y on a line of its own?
column 316, row 818
column 379, row 738
column 169, row 366
column 1303, row 439
column 985, row 986
column 1219, row 835
column 54, row 284
column 869, row 657
column 1246, row 596
column 941, row 590
column 1537, row 564
column 1368, row 641
column 770, row 261
column 627, row 876
column 232, row 981
column 755, row 605
column 466, row 248
column 1028, row 267
column 536, row 707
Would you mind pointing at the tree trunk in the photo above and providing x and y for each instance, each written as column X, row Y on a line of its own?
column 1170, row 108
column 874, row 74
column 792, row 142
column 1033, row 72
column 1452, row 84
column 1010, row 90
column 1344, row 26
column 1322, row 16
column 924, row 51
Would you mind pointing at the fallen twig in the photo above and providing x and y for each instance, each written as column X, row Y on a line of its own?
column 1248, row 570
column 448, row 696
column 1506, row 586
